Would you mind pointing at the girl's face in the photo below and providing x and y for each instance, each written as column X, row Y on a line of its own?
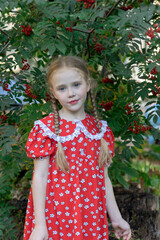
column 70, row 89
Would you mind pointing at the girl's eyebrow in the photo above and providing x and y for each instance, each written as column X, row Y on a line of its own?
column 78, row 80
column 60, row 85
column 63, row 84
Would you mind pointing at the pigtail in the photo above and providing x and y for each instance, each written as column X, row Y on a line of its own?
column 61, row 160
column 104, row 154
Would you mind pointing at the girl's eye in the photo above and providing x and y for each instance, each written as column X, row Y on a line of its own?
column 61, row 88
column 76, row 84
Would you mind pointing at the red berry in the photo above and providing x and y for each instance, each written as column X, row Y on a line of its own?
column 27, row 30
column 69, row 29
column 5, row 87
column 107, row 106
column 98, row 47
column 156, row 25
column 130, row 35
column 158, row 30
column 154, row 71
column 150, row 33
column 107, row 80
column 26, row 67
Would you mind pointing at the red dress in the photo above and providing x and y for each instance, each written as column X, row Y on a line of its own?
column 75, row 201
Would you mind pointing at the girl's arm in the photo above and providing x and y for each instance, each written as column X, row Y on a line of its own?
column 39, row 185
column 121, row 227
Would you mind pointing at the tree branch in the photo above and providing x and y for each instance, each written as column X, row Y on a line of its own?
column 80, row 30
column 8, row 42
column 4, row 33
column 103, row 71
column 112, row 9
column 4, row 47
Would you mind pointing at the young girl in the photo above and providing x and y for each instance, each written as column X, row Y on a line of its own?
column 71, row 192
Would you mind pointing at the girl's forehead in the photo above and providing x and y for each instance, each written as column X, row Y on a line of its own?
column 67, row 73
column 67, row 70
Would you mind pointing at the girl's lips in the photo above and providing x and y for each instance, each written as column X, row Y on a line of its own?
column 73, row 102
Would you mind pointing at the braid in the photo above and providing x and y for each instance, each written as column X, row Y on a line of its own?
column 104, row 154
column 56, row 115
column 94, row 109
column 61, row 160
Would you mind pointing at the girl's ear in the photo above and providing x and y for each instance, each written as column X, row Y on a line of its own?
column 52, row 92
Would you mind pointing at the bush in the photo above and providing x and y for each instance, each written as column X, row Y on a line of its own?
column 118, row 39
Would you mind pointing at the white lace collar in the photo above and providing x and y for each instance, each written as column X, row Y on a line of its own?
column 77, row 131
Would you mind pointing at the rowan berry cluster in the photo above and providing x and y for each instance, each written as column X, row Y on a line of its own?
column 130, row 35
column 26, row 30
column 129, row 109
column 29, row 93
column 155, row 93
column 58, row 23
column 157, row 28
column 107, row 105
column 139, row 128
column 98, row 47
column 151, row 32
column 87, row 3
column 126, row 8
column 5, row 87
column 25, row 66
column 154, row 72
column 107, row 80
column 48, row 97
column 69, row 29
column 3, row 118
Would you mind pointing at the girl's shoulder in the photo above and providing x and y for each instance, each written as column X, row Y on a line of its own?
column 39, row 143
column 46, row 123
column 89, row 127
column 92, row 125
column 47, row 120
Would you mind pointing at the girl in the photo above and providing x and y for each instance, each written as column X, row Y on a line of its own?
column 72, row 150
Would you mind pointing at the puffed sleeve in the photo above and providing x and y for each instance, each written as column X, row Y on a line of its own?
column 39, row 144
column 108, row 136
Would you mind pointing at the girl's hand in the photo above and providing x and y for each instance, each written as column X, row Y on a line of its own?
column 39, row 233
column 122, row 229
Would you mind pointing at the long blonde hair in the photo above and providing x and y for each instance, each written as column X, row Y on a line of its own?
column 79, row 64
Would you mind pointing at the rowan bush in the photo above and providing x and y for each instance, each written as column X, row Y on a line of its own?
column 120, row 43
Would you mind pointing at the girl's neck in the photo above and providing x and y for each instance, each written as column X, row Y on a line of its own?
column 72, row 116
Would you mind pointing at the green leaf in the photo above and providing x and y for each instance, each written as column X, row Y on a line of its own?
column 122, row 181
column 135, row 151
column 7, row 147
column 139, row 138
column 155, row 119
column 40, row 2
column 52, row 49
column 136, row 144
column 130, row 171
column 61, row 46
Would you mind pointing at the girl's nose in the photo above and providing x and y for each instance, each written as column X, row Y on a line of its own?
column 70, row 92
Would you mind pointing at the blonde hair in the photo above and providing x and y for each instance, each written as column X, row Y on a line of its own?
column 79, row 64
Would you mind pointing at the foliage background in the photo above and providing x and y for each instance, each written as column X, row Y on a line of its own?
column 119, row 40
